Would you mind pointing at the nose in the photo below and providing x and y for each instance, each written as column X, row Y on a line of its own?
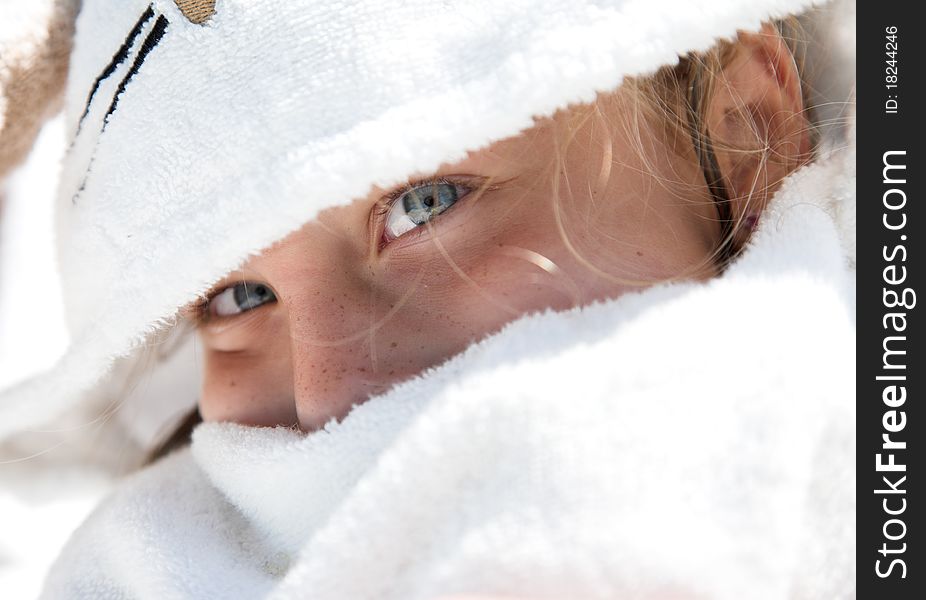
column 340, row 353
column 333, row 348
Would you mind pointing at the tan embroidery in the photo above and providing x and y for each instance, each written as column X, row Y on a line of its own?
column 197, row 11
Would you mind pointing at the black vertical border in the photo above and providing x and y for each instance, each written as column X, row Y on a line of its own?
column 886, row 256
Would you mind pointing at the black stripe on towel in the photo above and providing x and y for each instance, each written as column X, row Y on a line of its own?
column 118, row 58
column 151, row 41
column 154, row 37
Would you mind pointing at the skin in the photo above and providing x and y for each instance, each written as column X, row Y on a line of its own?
column 572, row 210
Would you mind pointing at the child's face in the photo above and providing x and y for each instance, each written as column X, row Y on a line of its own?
column 375, row 292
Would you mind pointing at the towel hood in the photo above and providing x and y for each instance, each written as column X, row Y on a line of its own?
column 200, row 132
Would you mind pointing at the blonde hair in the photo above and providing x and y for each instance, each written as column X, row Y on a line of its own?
column 673, row 101
column 678, row 94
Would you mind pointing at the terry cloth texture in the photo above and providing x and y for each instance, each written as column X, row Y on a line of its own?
column 592, row 453
column 207, row 142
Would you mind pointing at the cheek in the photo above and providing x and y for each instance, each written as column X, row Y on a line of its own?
column 667, row 238
column 513, row 253
column 491, row 264
column 252, row 385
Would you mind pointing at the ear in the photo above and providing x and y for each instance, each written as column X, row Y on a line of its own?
column 755, row 119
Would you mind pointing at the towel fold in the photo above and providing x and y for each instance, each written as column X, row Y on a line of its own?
column 591, row 453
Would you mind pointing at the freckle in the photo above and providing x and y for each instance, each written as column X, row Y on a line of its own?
column 393, row 344
column 392, row 372
column 362, row 369
column 232, row 383
column 324, row 371
column 639, row 253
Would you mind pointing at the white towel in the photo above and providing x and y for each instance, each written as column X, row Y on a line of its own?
column 585, row 454
column 193, row 144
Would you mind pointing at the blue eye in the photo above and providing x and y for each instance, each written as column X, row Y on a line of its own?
column 419, row 205
column 240, row 298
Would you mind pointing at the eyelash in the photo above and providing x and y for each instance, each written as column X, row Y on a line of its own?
column 470, row 182
column 198, row 311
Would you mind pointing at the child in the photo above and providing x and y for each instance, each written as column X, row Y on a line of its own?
column 477, row 296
